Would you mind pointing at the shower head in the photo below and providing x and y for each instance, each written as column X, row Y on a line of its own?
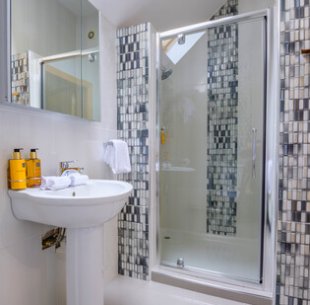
column 165, row 73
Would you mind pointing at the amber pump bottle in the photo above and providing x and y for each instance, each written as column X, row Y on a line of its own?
column 33, row 169
column 163, row 136
column 17, row 171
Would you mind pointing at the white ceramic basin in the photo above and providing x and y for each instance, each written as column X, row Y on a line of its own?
column 74, row 207
column 82, row 210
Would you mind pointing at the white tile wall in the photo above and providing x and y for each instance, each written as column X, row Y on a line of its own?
column 28, row 275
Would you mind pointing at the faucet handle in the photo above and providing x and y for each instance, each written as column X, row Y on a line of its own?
column 66, row 167
column 65, row 164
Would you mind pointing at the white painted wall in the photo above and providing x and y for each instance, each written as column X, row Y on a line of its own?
column 248, row 6
column 162, row 14
column 28, row 275
column 90, row 23
column 59, row 28
column 52, row 33
column 90, row 69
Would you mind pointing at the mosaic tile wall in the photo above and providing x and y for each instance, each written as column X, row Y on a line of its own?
column 133, row 127
column 293, row 278
column 222, row 125
column 20, row 78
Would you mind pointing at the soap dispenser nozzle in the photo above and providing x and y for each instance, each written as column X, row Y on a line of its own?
column 33, row 153
column 17, row 154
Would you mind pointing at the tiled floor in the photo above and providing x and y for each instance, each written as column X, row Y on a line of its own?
column 127, row 291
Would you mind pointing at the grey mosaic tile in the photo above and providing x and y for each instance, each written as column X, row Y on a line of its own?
column 222, row 125
column 133, row 127
column 20, row 78
column 293, row 256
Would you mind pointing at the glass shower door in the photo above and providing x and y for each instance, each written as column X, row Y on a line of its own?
column 212, row 125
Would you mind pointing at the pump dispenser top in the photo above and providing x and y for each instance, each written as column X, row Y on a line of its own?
column 33, row 153
column 17, row 153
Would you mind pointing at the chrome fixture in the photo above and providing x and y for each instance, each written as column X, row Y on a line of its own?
column 53, row 237
column 181, row 39
column 92, row 57
column 180, row 263
column 66, row 169
column 254, row 133
column 165, row 73
column 67, row 55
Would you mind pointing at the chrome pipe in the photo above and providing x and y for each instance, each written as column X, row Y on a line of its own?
column 214, row 23
column 66, row 55
column 254, row 133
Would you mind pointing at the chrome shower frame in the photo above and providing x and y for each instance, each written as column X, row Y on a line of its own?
column 210, row 282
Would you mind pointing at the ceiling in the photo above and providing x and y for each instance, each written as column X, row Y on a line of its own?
column 163, row 14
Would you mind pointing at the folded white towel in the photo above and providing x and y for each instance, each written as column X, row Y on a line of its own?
column 55, row 182
column 116, row 155
column 78, row 179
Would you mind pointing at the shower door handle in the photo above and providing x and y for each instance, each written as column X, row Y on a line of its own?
column 254, row 133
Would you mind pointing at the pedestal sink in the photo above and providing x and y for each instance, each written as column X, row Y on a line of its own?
column 82, row 210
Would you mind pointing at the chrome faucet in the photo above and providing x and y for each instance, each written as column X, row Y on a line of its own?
column 55, row 236
column 67, row 169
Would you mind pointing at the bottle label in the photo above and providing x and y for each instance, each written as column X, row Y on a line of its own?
column 17, row 174
column 33, row 173
column 17, row 181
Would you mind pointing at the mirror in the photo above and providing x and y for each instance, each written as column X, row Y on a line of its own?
column 55, row 56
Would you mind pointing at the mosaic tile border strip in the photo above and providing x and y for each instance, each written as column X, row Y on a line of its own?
column 222, row 125
column 133, row 127
column 293, row 257
column 20, row 78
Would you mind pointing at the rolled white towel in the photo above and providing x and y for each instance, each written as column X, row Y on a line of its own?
column 78, row 179
column 55, row 182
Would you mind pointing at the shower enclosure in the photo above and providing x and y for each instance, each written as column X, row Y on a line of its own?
column 211, row 122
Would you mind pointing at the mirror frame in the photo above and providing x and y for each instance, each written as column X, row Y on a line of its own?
column 5, row 52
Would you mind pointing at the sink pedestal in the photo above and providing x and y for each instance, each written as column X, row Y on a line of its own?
column 84, row 270
column 82, row 210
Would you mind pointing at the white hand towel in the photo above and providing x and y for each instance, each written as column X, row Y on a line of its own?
column 55, row 182
column 78, row 179
column 116, row 155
